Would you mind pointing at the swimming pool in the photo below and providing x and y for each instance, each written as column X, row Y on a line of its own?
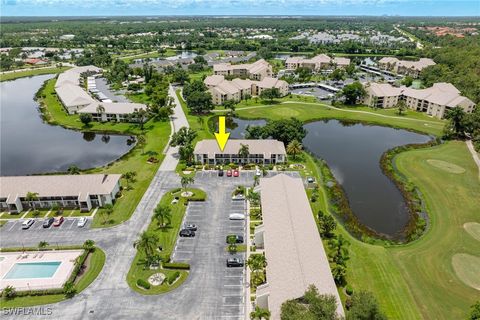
column 31, row 270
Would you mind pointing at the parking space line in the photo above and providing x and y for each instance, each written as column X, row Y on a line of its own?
column 73, row 222
column 13, row 225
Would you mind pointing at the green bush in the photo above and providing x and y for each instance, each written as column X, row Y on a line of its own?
column 172, row 277
column 349, row 290
column 144, row 284
column 176, row 265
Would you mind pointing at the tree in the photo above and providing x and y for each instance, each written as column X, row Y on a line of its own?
column 186, row 153
column 260, row 314
column 407, row 81
column 265, row 53
column 311, row 306
column 100, row 110
column 106, row 212
column 130, row 178
column 148, row 242
column 185, row 181
column 86, row 118
column 230, row 106
column 141, row 140
column 337, row 74
column 364, row 306
column 9, row 292
column 457, row 117
column 180, row 76
column 73, row 169
column 69, row 289
column 256, row 263
column 401, row 107
column 270, row 94
column 339, row 247
column 140, row 116
column 232, row 243
column 353, row 92
column 42, row 245
column 285, row 130
column 184, row 136
column 304, row 74
column 89, row 245
column 294, row 148
column 199, row 102
column 162, row 213
column 475, row 311
column 244, row 151
column 31, row 197
column 253, row 197
column 327, row 225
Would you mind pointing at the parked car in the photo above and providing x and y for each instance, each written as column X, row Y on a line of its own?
column 238, row 239
column 310, row 180
column 191, row 227
column 58, row 221
column 236, row 173
column 229, row 173
column 235, row 262
column 82, row 222
column 220, row 173
column 236, row 216
column 187, row 233
column 258, row 172
column 27, row 224
column 48, row 222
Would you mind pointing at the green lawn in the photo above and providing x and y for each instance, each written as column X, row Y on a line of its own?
column 97, row 260
column 30, row 73
column 156, row 133
column 167, row 238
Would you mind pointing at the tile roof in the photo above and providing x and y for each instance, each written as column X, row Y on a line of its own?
column 266, row 147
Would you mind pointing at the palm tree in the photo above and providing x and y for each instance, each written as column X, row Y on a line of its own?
column 244, row 151
column 401, row 107
column 130, row 178
column 89, row 245
column 256, row 263
column 256, row 180
column 9, row 292
column 260, row 314
column 253, row 196
column 140, row 115
column 457, row 120
column 141, row 140
column 294, row 148
column 147, row 241
column 185, row 181
column 69, row 289
column 73, row 169
column 108, row 210
column 31, row 197
column 100, row 110
column 42, row 245
column 162, row 213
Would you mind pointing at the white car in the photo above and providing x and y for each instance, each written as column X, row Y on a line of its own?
column 82, row 222
column 258, row 172
column 27, row 224
column 237, row 216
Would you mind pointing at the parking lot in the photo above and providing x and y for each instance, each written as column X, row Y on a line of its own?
column 16, row 225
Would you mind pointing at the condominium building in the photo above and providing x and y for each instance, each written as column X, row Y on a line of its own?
column 68, row 191
column 435, row 101
column 319, row 62
column 237, row 89
column 255, row 71
column 75, row 99
column 259, row 151
column 293, row 248
column 405, row 67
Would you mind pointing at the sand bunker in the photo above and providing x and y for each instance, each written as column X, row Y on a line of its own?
column 473, row 229
column 446, row 166
column 467, row 268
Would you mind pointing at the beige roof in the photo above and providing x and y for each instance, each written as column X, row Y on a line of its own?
column 222, row 67
column 242, row 84
column 390, row 60
column 73, row 95
column 295, row 255
column 57, row 185
column 294, row 60
column 72, row 76
column 266, row 147
column 269, row 82
column 383, row 90
column 342, row 61
column 213, row 80
column 113, row 107
column 227, row 87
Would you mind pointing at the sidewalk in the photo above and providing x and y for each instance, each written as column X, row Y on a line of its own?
column 177, row 120
column 474, row 155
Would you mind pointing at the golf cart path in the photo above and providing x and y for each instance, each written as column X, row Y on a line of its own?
column 474, row 153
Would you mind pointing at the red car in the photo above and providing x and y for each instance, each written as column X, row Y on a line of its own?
column 236, row 173
column 58, row 221
column 229, row 173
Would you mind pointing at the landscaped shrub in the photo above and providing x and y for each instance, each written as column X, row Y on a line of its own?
column 172, row 277
column 144, row 284
column 349, row 290
column 78, row 265
column 176, row 265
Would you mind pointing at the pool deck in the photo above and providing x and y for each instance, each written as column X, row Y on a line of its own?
column 66, row 257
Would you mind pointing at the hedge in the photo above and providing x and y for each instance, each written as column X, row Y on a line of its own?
column 176, row 265
column 144, row 284
column 172, row 277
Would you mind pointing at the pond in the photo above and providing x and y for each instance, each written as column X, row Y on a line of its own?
column 353, row 152
column 29, row 145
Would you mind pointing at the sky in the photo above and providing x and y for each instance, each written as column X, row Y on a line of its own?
column 239, row 7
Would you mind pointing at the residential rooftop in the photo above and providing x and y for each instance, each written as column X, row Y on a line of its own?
column 266, row 147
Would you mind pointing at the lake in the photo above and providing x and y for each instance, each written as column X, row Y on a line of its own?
column 353, row 153
column 29, row 145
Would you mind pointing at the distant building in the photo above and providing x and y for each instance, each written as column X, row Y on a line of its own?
column 112, row 111
column 35, row 61
column 82, row 191
column 237, row 89
column 255, row 71
column 293, row 248
column 260, row 151
column 405, row 67
column 67, row 37
column 435, row 101
column 317, row 63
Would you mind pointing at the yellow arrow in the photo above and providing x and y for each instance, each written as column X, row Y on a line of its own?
column 222, row 136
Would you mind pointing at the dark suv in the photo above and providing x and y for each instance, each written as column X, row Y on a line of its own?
column 48, row 222
column 187, row 233
column 234, row 262
column 220, row 173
